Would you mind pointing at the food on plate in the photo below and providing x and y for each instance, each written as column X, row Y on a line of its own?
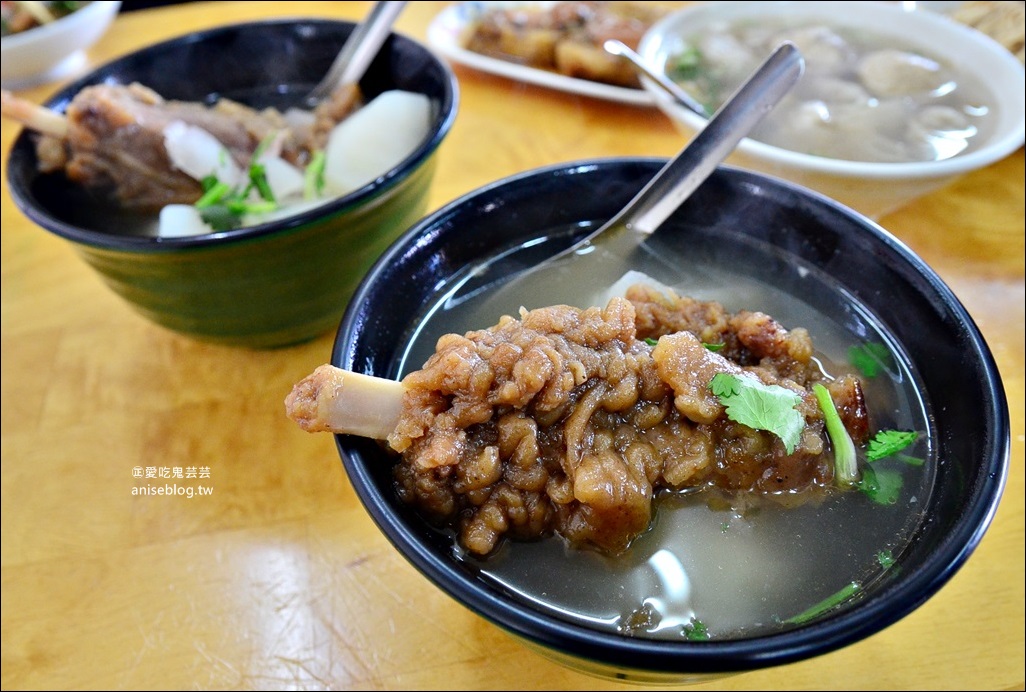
column 16, row 17
column 565, row 37
column 865, row 96
column 207, row 168
column 1003, row 21
column 572, row 421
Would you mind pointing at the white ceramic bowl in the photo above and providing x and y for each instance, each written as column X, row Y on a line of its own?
column 53, row 50
column 871, row 188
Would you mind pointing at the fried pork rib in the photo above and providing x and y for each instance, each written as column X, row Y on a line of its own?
column 567, row 37
column 568, row 421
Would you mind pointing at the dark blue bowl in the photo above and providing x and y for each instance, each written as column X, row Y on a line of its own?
column 871, row 269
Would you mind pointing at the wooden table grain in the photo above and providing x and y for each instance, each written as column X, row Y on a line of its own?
column 278, row 578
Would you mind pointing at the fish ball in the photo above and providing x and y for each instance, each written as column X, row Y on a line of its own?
column 892, row 72
column 729, row 59
column 824, row 51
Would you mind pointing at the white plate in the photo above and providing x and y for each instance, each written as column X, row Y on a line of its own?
column 445, row 33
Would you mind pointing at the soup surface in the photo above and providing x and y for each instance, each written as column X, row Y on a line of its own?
column 711, row 565
column 864, row 96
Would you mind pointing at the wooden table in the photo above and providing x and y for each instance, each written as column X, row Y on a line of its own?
column 278, row 578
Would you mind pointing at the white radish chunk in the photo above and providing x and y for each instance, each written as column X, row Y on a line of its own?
column 284, row 179
column 375, row 139
column 181, row 220
column 197, row 153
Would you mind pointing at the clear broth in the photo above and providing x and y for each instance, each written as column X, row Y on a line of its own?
column 739, row 571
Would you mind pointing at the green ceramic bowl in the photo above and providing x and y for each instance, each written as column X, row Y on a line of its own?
column 264, row 286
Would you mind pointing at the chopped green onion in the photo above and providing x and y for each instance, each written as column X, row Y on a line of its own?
column 313, row 176
column 213, row 195
column 846, row 463
column 242, row 206
column 258, row 177
column 261, row 146
column 826, row 604
column 208, row 182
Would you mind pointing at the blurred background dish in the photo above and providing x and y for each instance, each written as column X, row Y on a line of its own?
column 51, row 49
column 894, row 103
column 518, row 40
column 1002, row 20
column 281, row 279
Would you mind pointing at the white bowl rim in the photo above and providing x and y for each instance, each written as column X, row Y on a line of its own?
column 1001, row 144
column 65, row 23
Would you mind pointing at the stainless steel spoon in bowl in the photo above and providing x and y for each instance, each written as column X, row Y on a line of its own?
column 358, row 51
column 601, row 256
column 696, row 161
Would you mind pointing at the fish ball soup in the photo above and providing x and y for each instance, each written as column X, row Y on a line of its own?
column 865, row 96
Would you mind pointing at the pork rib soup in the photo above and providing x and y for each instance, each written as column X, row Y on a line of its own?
column 728, row 559
column 712, row 561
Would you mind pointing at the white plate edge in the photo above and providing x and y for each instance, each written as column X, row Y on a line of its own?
column 442, row 36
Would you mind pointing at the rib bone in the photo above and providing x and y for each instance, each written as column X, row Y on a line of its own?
column 33, row 116
column 334, row 400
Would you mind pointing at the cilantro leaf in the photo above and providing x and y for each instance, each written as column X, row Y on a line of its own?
column 696, row 631
column 888, row 442
column 870, row 359
column 763, row 407
column 883, row 486
column 685, row 65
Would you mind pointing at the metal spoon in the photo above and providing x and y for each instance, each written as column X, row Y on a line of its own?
column 669, row 86
column 732, row 122
column 603, row 253
column 358, row 52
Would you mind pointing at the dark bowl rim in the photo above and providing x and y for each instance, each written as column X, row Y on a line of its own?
column 672, row 658
column 447, row 111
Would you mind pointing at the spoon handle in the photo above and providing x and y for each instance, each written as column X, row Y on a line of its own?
column 359, row 49
column 729, row 125
column 620, row 48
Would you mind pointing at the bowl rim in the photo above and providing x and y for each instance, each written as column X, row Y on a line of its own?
column 97, row 10
column 996, row 148
column 443, row 123
column 674, row 658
